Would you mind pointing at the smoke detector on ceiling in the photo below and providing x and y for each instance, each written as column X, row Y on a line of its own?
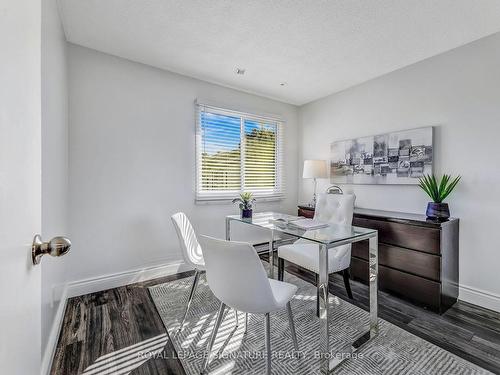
column 240, row 71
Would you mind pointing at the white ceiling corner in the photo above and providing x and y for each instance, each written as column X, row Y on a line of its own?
column 316, row 47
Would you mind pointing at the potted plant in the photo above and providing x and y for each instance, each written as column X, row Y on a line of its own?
column 245, row 201
column 437, row 210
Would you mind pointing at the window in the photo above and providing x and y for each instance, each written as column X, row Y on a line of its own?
column 237, row 152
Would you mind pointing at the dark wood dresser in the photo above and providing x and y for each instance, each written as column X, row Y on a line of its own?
column 418, row 258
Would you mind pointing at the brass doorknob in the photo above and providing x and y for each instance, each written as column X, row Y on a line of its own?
column 56, row 247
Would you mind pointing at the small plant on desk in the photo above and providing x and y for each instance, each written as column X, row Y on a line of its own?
column 438, row 191
column 246, row 201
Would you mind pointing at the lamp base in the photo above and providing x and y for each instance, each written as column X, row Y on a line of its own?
column 314, row 194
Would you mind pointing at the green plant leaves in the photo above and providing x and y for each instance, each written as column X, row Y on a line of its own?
column 428, row 184
column 438, row 192
column 245, row 200
column 246, row 196
column 447, row 190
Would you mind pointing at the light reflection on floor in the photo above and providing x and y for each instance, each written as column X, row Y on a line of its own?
column 123, row 361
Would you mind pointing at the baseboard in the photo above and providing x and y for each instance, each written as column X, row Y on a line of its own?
column 61, row 293
column 50, row 347
column 479, row 297
column 96, row 284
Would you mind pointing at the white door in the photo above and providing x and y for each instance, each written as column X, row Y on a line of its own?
column 20, row 185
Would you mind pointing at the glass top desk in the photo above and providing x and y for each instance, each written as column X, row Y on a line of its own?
column 326, row 238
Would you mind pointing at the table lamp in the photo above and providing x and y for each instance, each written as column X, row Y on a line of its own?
column 314, row 169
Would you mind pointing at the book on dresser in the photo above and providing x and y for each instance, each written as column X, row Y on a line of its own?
column 418, row 258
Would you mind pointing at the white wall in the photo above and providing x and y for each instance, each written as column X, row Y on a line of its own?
column 132, row 161
column 459, row 93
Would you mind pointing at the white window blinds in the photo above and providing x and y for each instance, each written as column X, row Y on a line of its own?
column 237, row 152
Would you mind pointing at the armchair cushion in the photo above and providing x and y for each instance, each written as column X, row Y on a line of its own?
column 306, row 255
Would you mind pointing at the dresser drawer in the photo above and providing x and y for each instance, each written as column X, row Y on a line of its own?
column 404, row 235
column 412, row 287
column 415, row 262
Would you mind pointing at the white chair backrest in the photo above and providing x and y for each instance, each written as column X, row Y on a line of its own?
column 335, row 208
column 236, row 275
column 191, row 250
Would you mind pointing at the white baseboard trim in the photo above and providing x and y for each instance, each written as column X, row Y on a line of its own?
column 50, row 347
column 96, row 284
column 479, row 297
column 61, row 293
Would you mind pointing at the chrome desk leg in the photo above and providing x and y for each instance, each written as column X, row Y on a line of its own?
column 218, row 321
column 191, row 295
column 228, row 229
column 292, row 326
column 327, row 361
column 271, row 255
column 373, row 270
column 236, row 320
column 324, row 311
column 373, row 286
column 268, row 344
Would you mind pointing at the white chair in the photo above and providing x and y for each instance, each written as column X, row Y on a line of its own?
column 238, row 279
column 335, row 209
column 191, row 252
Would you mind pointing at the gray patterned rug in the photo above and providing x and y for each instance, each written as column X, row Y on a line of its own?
column 393, row 351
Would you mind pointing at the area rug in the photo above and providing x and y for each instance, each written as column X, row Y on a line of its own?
column 393, row 351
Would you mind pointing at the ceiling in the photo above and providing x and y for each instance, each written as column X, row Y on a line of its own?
column 316, row 47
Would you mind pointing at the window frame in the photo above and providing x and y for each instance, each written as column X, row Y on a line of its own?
column 206, row 197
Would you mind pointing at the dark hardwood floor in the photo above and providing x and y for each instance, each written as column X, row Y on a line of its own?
column 100, row 323
column 103, row 322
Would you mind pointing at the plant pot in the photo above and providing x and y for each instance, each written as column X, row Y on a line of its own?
column 438, row 211
column 246, row 214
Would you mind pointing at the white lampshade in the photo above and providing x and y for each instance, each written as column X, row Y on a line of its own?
column 314, row 169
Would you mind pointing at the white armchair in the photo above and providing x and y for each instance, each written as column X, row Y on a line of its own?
column 335, row 209
column 237, row 278
column 191, row 252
